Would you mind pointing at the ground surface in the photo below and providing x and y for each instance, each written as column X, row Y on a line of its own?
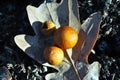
column 14, row 20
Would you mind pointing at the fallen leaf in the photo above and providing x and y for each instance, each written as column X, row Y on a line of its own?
column 61, row 13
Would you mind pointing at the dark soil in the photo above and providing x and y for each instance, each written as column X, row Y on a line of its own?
column 14, row 20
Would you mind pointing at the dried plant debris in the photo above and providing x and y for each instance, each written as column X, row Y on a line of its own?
column 34, row 45
column 5, row 74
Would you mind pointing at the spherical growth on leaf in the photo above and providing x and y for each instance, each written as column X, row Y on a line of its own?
column 54, row 55
column 48, row 28
column 66, row 37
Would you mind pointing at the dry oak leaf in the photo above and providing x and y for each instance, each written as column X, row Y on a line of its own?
column 64, row 12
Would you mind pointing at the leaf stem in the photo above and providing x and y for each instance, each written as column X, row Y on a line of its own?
column 72, row 63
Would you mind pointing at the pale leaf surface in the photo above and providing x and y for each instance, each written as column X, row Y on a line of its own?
column 87, row 37
column 91, row 27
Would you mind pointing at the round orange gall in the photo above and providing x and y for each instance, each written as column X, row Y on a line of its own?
column 54, row 55
column 48, row 28
column 66, row 37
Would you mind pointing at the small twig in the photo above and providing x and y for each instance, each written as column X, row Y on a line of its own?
column 72, row 63
column 113, row 76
